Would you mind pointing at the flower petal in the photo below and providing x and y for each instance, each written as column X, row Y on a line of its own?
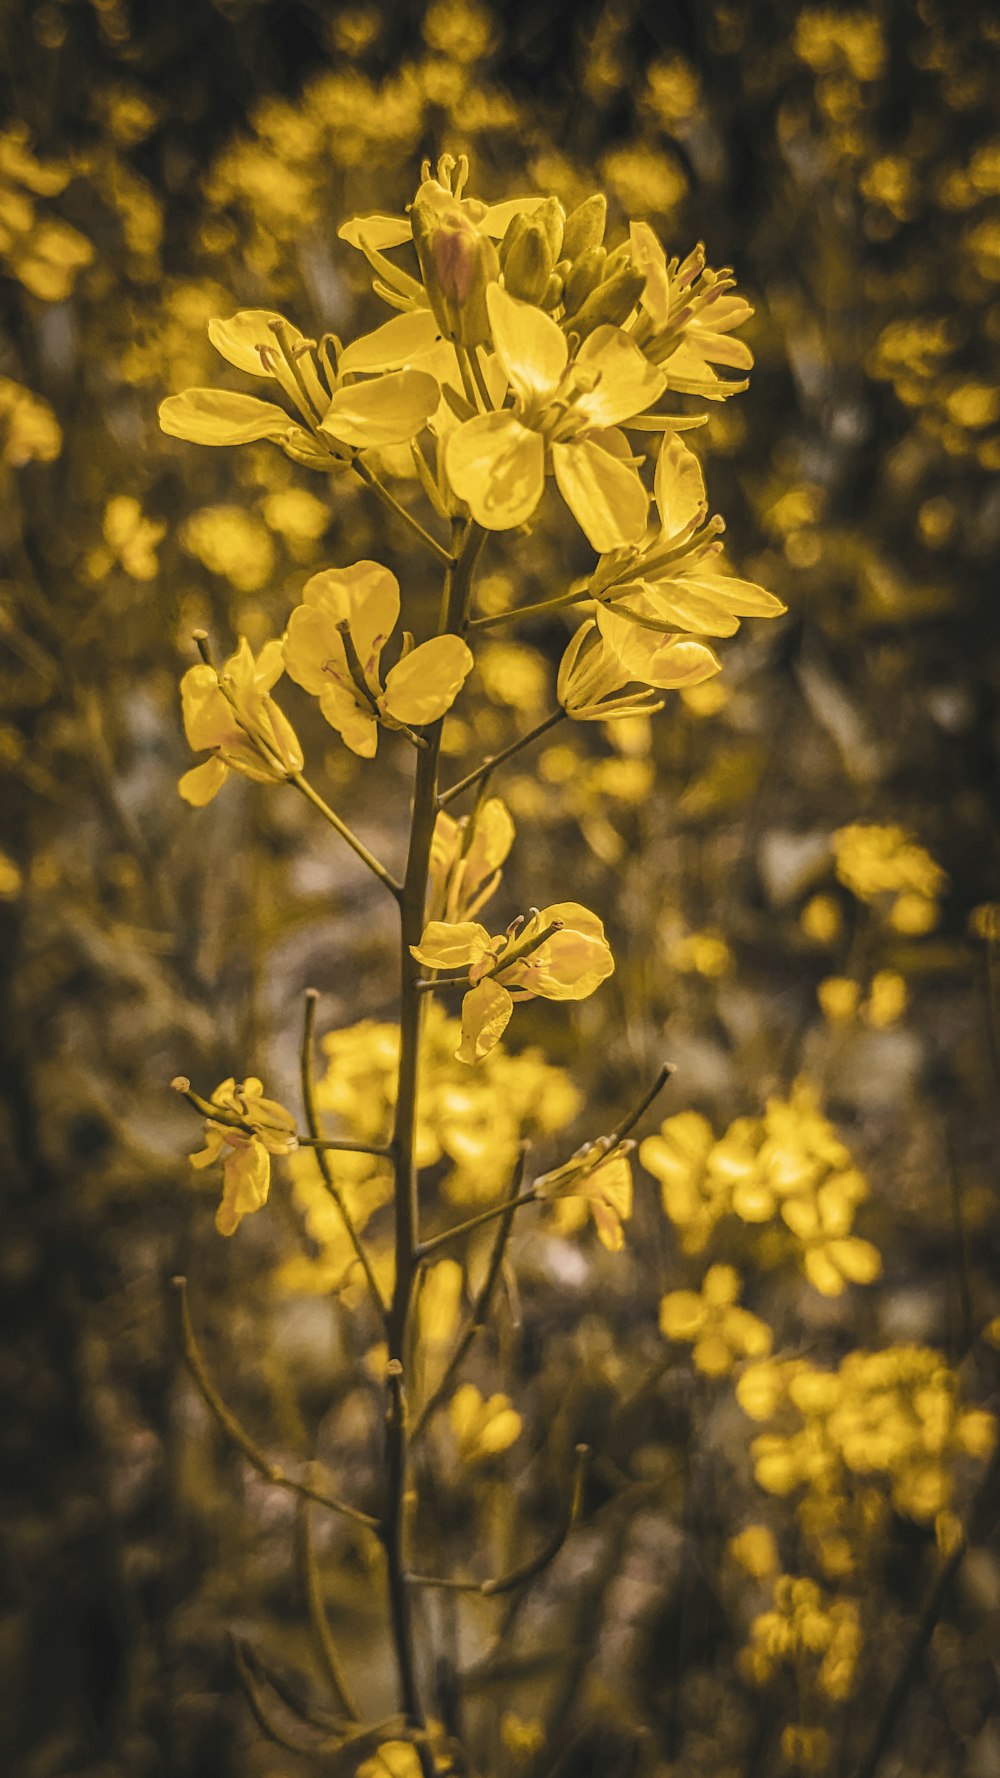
column 238, row 337
column 201, row 783
column 221, row 417
column 678, row 486
column 530, row 346
column 447, row 946
column 667, row 662
column 401, row 341
column 743, row 597
column 628, row 383
column 377, row 231
column 422, row 687
column 486, row 1012
column 387, row 410
column 606, row 497
column 356, row 727
column 497, row 466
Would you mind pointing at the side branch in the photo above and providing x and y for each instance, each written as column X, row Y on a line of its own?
column 498, row 759
column 535, row 1565
column 238, row 1434
column 357, row 846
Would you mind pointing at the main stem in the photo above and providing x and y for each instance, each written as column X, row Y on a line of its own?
column 466, row 542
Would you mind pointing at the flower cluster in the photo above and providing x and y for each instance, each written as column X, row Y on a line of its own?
column 816, row 1639
column 887, row 1423
column 789, row 1165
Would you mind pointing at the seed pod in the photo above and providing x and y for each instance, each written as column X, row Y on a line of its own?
column 584, row 276
column 612, row 302
column 585, row 226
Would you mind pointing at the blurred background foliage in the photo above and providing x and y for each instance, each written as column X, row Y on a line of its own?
column 749, row 1575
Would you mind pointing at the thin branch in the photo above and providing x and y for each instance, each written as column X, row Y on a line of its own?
column 371, row 480
column 540, row 607
column 535, row 1565
column 476, row 1222
column 260, row 1711
column 357, row 846
column 219, row 1115
column 238, row 1434
column 308, row 1077
column 480, row 1308
column 322, row 1635
column 629, row 1122
column 498, row 759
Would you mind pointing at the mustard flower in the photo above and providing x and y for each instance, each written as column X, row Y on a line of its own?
column 559, row 953
column 565, row 417
column 249, row 1131
column 592, row 685
column 466, row 860
column 482, row 1427
column 689, row 314
column 333, row 648
column 603, row 1181
column 340, row 416
column 712, row 1321
column 231, row 713
column 674, row 582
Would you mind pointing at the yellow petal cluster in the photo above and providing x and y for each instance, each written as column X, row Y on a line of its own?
column 231, row 714
column 713, row 1323
column 558, row 953
column 602, row 1181
column 788, row 1165
column 885, row 866
column 248, row 1132
column 482, row 1428
column 333, row 648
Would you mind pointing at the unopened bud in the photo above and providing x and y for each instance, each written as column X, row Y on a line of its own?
column 611, row 303
column 529, row 263
column 552, row 295
column 457, row 263
column 551, row 217
column 583, row 277
column 585, row 226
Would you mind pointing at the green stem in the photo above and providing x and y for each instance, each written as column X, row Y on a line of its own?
column 308, row 1075
column 371, row 480
column 357, row 846
column 476, row 1222
column 536, row 610
column 499, row 759
column 466, row 542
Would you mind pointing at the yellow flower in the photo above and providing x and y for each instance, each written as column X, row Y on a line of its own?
column 29, row 430
column 482, row 1428
column 131, row 537
column 887, row 999
column 231, row 713
column 689, row 314
column 838, row 997
column 466, row 860
column 559, row 953
column 340, row 416
column 719, row 1330
column 872, row 861
column 678, row 1156
column 674, row 583
column 592, row 685
column 565, row 417
column 603, row 1181
column 333, row 648
column 250, row 1130
column 394, row 1759
column 755, row 1550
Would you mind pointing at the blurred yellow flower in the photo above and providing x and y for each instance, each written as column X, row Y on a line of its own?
column 29, row 430
column 482, row 1428
column 131, row 537
column 713, row 1323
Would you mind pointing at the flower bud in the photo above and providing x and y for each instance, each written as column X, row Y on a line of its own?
column 552, row 295
column 612, row 301
column 551, row 217
column 526, row 272
column 457, row 263
column 584, row 276
column 585, row 226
